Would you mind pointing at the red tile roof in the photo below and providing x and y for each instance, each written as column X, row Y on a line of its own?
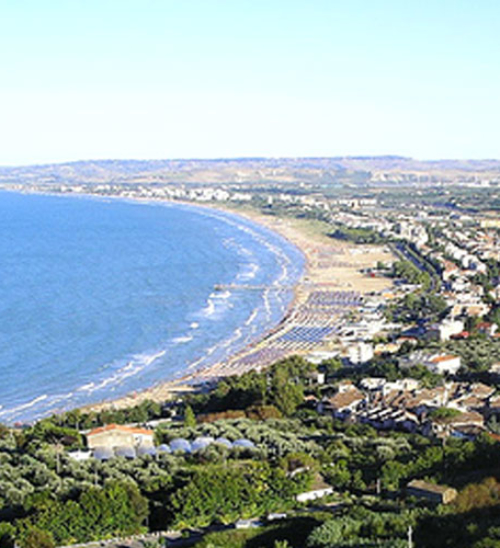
column 439, row 359
column 121, row 428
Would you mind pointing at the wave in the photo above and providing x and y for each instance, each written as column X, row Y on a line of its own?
column 216, row 304
column 138, row 363
column 182, row 339
column 24, row 406
column 223, row 295
column 209, row 310
column 249, row 273
column 252, row 317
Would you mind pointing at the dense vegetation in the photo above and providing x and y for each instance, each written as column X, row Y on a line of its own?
column 47, row 498
column 358, row 235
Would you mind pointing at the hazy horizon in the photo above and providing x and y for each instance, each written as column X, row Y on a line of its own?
column 245, row 158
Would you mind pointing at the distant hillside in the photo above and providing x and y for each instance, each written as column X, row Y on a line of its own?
column 255, row 170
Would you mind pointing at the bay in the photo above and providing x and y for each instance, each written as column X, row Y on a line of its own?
column 101, row 297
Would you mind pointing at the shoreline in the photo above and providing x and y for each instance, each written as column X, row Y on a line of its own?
column 340, row 275
column 329, row 266
column 204, row 376
column 192, row 372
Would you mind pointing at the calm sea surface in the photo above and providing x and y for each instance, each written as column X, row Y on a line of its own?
column 102, row 297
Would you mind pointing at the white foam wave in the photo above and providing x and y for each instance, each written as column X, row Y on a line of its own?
column 209, row 310
column 249, row 272
column 182, row 340
column 252, row 317
column 217, row 302
column 24, row 406
column 223, row 295
column 138, row 363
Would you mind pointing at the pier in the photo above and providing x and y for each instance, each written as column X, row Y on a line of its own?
column 248, row 287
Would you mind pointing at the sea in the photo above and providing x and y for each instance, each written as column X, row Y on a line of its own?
column 100, row 297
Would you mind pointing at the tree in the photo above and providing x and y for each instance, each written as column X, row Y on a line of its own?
column 189, row 417
column 36, row 538
column 333, row 532
column 288, row 398
column 444, row 414
column 116, row 509
column 7, row 535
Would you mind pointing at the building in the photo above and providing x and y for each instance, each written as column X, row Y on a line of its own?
column 438, row 494
column 344, row 403
column 437, row 363
column 490, row 223
column 115, row 435
column 487, row 328
column 319, row 489
column 453, row 426
column 448, row 328
column 444, row 364
column 360, row 353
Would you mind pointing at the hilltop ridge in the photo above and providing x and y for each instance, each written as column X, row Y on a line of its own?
column 353, row 169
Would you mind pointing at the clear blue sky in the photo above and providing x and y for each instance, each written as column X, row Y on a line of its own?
column 88, row 79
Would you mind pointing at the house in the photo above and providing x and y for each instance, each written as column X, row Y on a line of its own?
column 437, row 363
column 319, row 489
column 438, row 494
column 450, row 270
column 372, row 383
column 495, row 369
column 344, row 403
column 387, row 348
column 390, row 419
column 467, row 432
column 444, row 427
column 471, row 397
column 481, row 390
column 116, row 435
column 448, row 328
column 401, row 385
column 494, row 405
column 426, row 399
column 487, row 328
column 443, row 363
column 360, row 353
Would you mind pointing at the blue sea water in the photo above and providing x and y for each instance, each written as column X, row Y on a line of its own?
column 101, row 297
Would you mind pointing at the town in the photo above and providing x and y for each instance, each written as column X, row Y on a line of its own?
column 375, row 401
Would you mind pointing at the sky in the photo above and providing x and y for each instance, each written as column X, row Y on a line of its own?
column 95, row 79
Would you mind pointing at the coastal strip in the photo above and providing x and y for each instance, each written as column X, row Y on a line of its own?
column 334, row 283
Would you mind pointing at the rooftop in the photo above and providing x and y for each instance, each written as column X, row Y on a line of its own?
column 120, row 428
column 426, row 486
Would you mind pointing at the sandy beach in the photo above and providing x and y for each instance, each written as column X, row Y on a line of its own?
column 333, row 284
